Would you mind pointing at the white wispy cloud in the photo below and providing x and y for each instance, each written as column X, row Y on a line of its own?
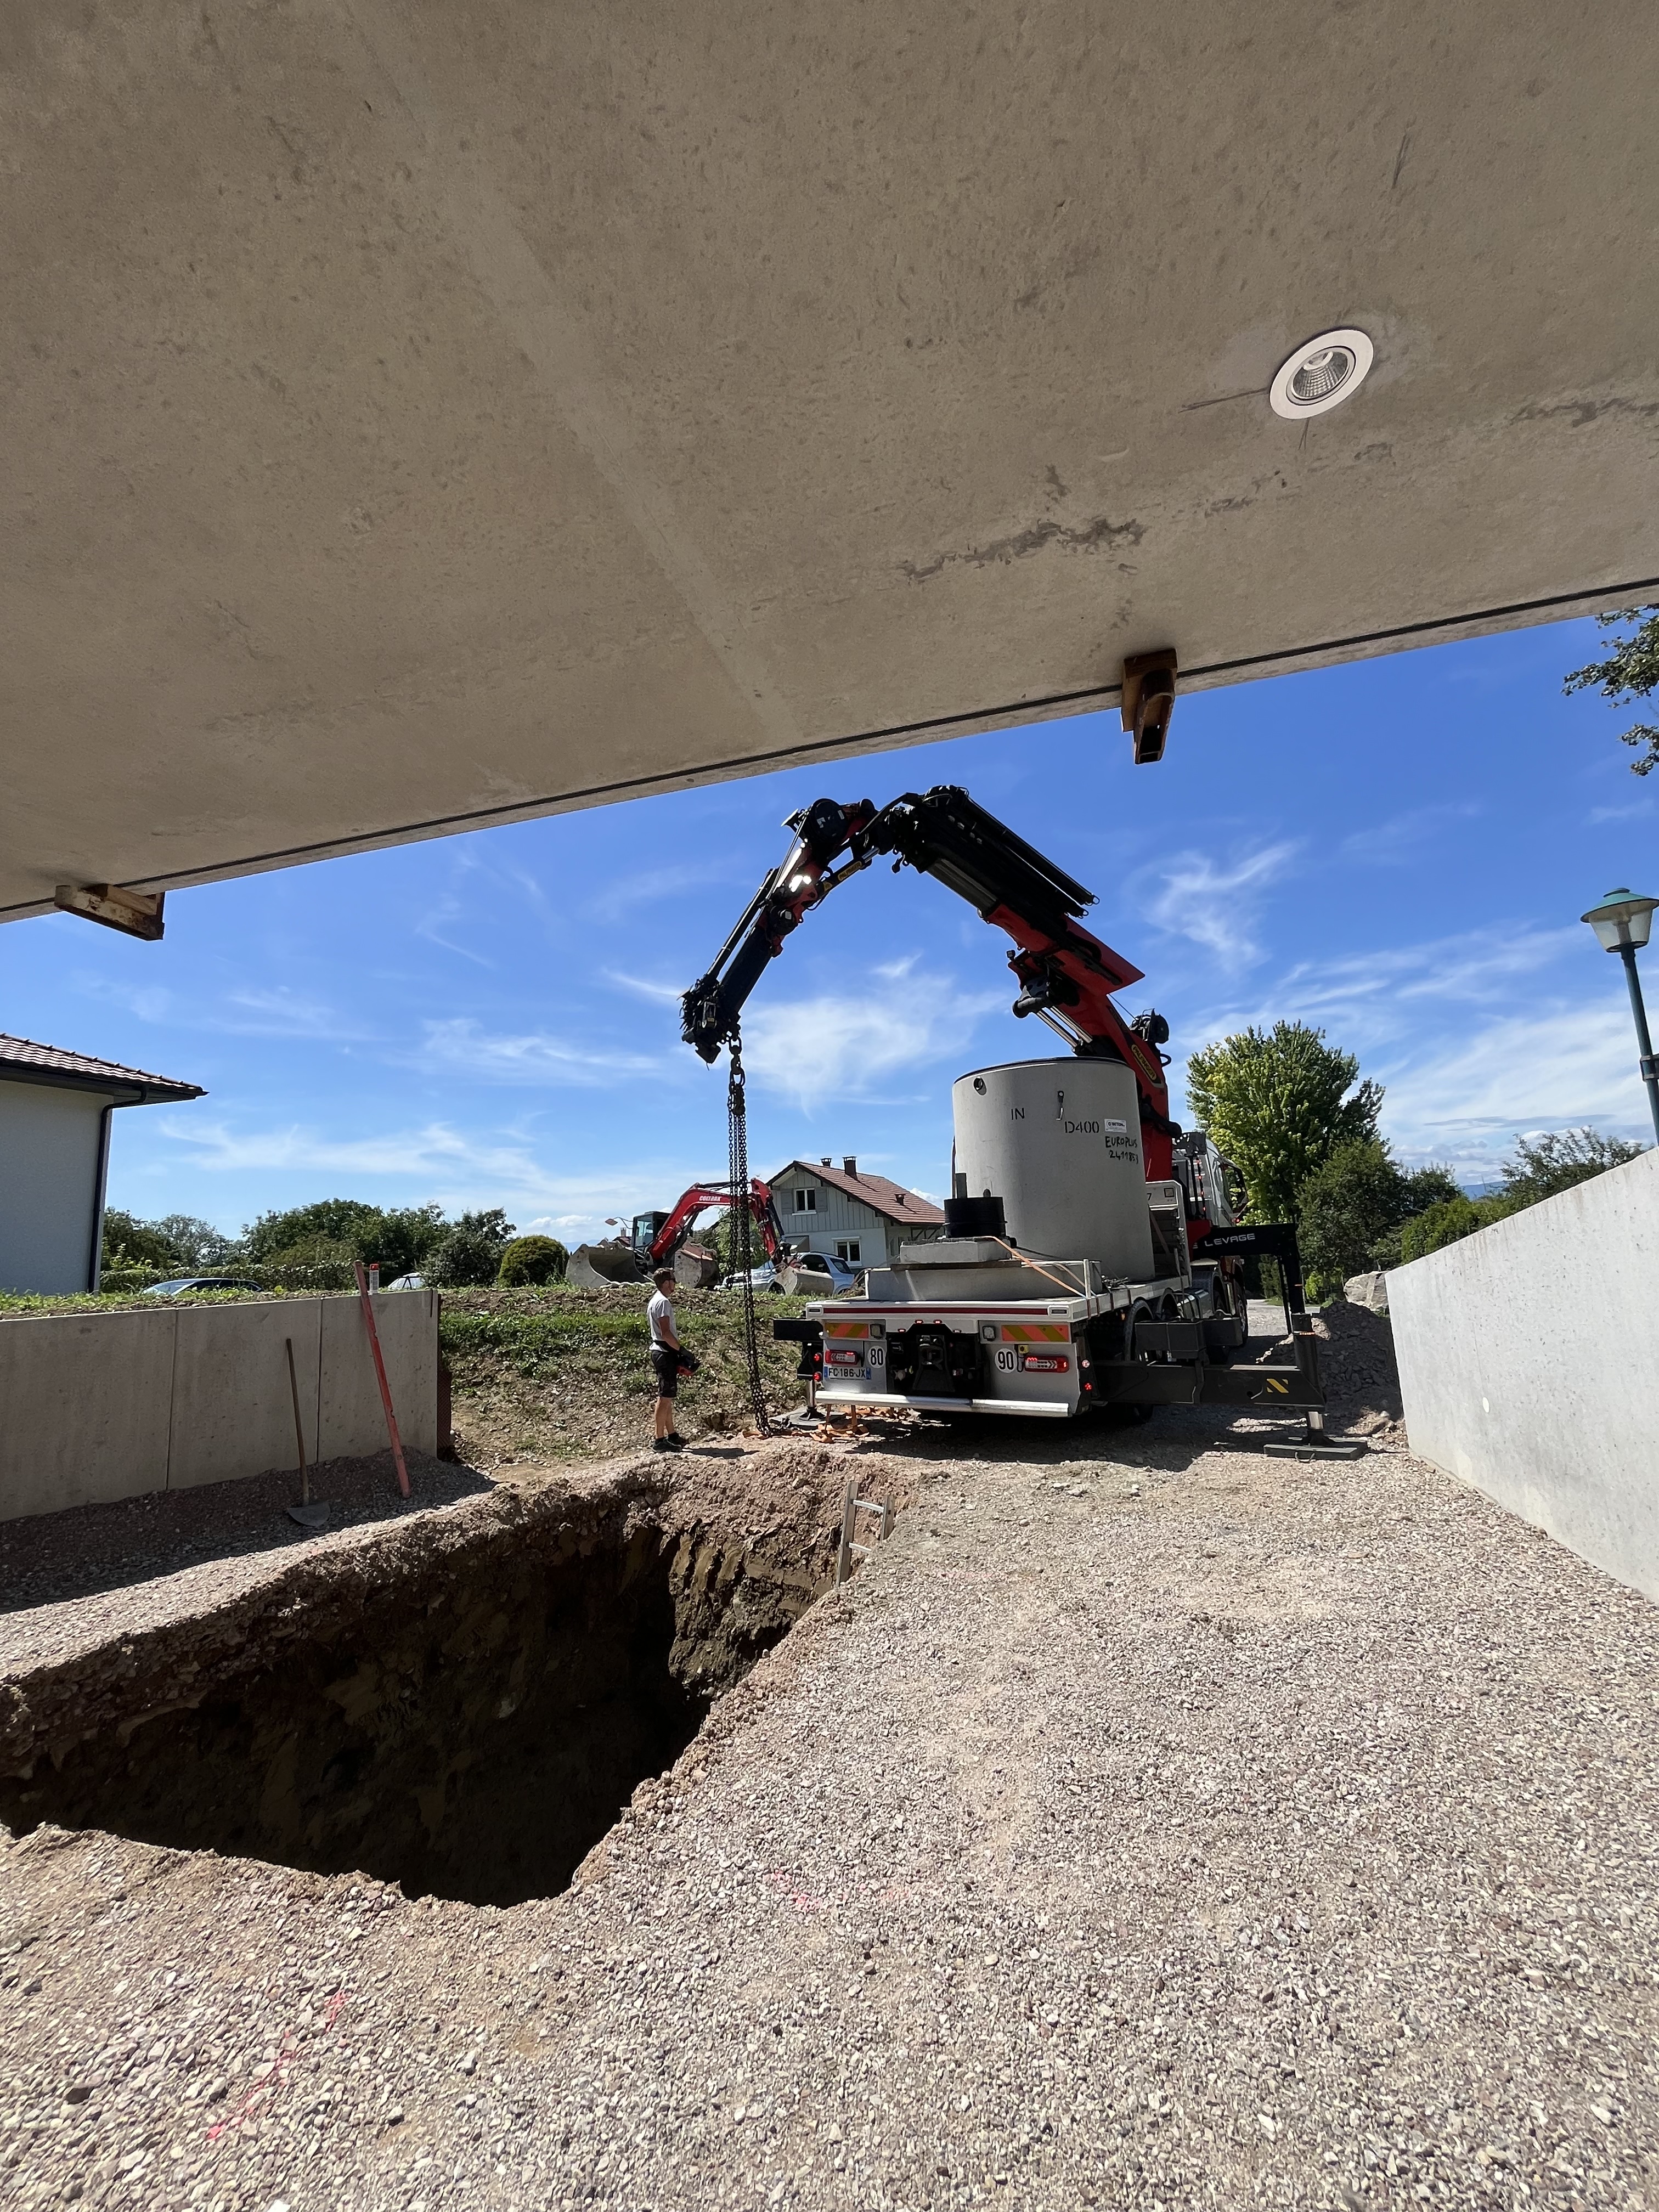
column 1398, row 842
column 660, row 995
column 1556, row 1066
column 247, row 1010
column 438, row 922
column 533, row 1056
column 150, row 1002
column 281, row 1012
column 1370, row 1000
column 834, row 1046
column 650, row 886
column 1215, row 903
column 438, row 1161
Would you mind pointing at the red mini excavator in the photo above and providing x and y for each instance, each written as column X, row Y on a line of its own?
column 654, row 1238
column 658, row 1237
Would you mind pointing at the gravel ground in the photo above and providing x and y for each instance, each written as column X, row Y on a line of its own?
column 78, row 1578
column 1150, row 1825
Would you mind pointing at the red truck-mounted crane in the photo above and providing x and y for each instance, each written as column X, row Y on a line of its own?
column 1066, row 976
column 1064, row 1282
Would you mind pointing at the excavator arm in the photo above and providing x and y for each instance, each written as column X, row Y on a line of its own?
column 698, row 1200
column 1066, row 976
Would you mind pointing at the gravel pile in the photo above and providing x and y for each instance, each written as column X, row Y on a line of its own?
column 1150, row 1824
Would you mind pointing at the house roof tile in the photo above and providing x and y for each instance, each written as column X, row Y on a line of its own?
column 875, row 1191
column 78, row 1071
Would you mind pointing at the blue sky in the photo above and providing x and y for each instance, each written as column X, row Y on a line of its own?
column 1397, row 851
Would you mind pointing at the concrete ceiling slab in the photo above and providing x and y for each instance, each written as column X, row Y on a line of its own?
column 421, row 414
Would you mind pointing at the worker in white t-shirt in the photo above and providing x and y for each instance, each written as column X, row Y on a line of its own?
column 669, row 1360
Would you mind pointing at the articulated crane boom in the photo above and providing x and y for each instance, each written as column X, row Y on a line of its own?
column 1066, row 976
column 971, row 1323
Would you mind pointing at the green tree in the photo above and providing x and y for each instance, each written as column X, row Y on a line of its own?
column 198, row 1242
column 335, row 1219
column 130, row 1243
column 1278, row 1102
column 348, row 1229
column 1631, row 671
column 1560, row 1160
column 470, row 1252
column 1353, row 1207
column 1539, row 1171
column 1449, row 1223
column 532, row 1260
column 404, row 1238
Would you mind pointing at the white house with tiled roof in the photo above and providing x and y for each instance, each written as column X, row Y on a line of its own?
column 55, row 1113
column 859, row 1217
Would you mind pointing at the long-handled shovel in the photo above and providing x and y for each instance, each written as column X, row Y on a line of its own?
column 307, row 1515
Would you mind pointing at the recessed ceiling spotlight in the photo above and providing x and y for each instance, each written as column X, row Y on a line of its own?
column 1320, row 374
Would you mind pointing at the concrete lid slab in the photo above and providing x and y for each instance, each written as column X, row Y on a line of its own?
column 423, row 415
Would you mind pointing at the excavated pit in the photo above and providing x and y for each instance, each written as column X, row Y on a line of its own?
column 463, row 1704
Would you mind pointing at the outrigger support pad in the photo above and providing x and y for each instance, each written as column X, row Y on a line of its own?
column 1317, row 1443
column 1277, row 1240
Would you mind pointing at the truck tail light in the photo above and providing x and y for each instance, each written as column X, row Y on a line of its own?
column 1047, row 1363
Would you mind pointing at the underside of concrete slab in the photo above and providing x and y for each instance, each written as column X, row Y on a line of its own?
column 423, row 416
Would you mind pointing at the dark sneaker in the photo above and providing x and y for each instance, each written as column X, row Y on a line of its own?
column 677, row 1439
column 667, row 1444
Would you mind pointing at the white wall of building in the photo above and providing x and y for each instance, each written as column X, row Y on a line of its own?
column 51, row 1175
column 834, row 1220
column 1529, row 1365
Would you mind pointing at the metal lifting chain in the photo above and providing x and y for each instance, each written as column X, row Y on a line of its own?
column 741, row 1216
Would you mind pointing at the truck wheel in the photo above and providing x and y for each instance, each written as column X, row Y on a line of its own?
column 1122, row 1415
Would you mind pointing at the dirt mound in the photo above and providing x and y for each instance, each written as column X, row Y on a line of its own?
column 559, row 1374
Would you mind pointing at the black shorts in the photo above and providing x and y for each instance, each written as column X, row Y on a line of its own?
column 666, row 1368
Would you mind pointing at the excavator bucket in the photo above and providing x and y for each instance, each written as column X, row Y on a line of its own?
column 601, row 1266
column 695, row 1268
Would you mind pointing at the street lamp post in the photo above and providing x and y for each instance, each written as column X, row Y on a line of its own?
column 1622, row 923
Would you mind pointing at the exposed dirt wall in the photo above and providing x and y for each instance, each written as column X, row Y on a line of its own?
column 461, row 1702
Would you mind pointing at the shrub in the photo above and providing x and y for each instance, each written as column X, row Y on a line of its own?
column 532, row 1259
column 466, row 1258
column 1447, row 1223
column 1561, row 1159
column 325, row 1258
column 123, row 1282
column 1354, row 1208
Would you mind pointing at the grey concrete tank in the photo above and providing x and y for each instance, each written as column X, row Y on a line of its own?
column 1059, row 1142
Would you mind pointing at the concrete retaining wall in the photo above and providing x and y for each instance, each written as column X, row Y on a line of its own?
column 1529, row 1365
column 98, row 1406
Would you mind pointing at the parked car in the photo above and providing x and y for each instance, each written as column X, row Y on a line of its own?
column 821, row 1274
column 764, row 1278
column 179, row 1283
column 809, row 1275
column 405, row 1282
